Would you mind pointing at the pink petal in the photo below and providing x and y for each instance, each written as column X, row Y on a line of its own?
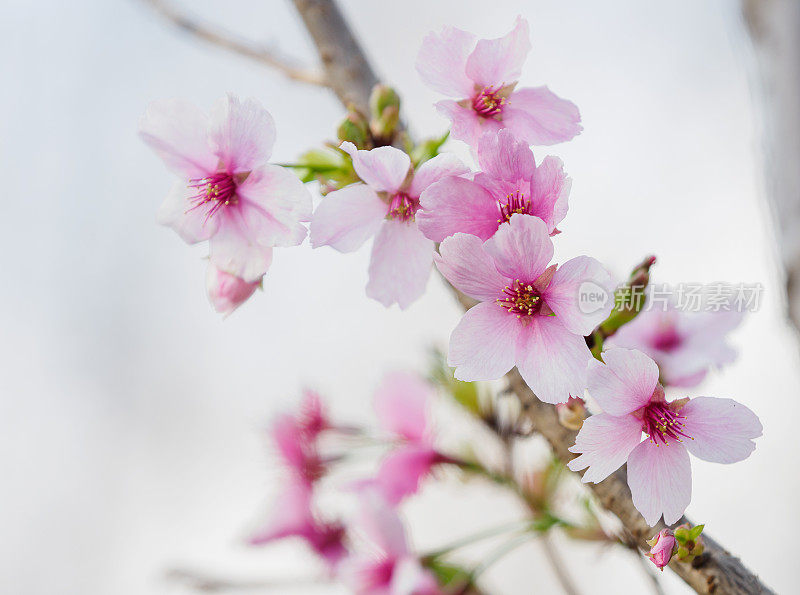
column 176, row 131
column 442, row 60
column 604, row 443
column 540, row 117
column 384, row 169
column 227, row 292
column 464, row 262
column 457, row 205
column 241, row 132
column 402, row 471
column 401, row 404
column 277, row 204
column 722, row 429
column 466, row 124
column 346, row 218
column 435, row 169
column 292, row 516
column 522, row 248
column 625, row 383
column 400, row 264
column 482, row 346
column 176, row 212
column 552, row 360
column 502, row 156
column 382, row 525
column 236, row 249
column 570, row 290
column 499, row 61
column 550, row 188
column 660, row 478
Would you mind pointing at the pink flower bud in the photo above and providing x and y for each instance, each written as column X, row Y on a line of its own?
column 663, row 548
column 227, row 292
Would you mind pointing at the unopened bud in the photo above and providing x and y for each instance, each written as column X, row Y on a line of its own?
column 663, row 547
column 227, row 292
column 572, row 413
column 384, row 107
column 355, row 129
column 689, row 543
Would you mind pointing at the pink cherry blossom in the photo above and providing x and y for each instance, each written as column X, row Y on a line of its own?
column 509, row 183
column 663, row 547
column 387, row 566
column 481, row 76
column 530, row 314
column 297, row 448
column 685, row 345
column 228, row 193
column 659, row 472
column 294, row 517
column 384, row 206
column 227, row 292
column 402, row 404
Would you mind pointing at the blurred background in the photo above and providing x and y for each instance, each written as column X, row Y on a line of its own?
column 132, row 416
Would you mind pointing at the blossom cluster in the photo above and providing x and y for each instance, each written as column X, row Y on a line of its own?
column 490, row 232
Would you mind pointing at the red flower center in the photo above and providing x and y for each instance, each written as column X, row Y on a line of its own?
column 515, row 203
column 662, row 423
column 402, row 207
column 668, row 339
column 488, row 103
column 219, row 189
column 521, row 299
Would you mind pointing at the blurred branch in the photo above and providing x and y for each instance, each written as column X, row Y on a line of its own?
column 219, row 37
column 206, row 583
column 352, row 79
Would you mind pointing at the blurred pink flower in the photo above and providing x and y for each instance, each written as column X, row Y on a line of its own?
column 659, row 472
column 482, row 76
column 384, row 206
column 402, row 404
column 294, row 517
column 685, row 345
column 228, row 194
column 227, row 292
column 387, row 566
column 663, row 547
column 530, row 314
column 509, row 183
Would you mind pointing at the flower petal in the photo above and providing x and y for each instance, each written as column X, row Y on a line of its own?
column 384, row 169
column 660, row 478
column 382, row 525
column 411, row 578
column 442, row 61
column 242, row 133
column 552, row 360
column 434, row 169
column 464, row 262
column 499, row 61
column 402, row 471
column 346, row 218
column 521, row 249
column 236, row 250
column 176, row 131
column 227, row 292
column 276, row 204
column 176, row 212
column 722, row 429
column 400, row 264
column 292, row 516
column 550, row 188
column 482, row 346
column 540, row 117
column 466, row 125
column 502, row 156
column 604, row 443
column 457, row 205
column 401, row 404
column 624, row 383
column 581, row 294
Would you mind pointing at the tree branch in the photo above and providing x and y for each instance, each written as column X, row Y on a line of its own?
column 716, row 571
column 230, row 42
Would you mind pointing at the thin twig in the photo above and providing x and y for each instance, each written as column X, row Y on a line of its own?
column 216, row 584
column 230, row 42
column 557, row 564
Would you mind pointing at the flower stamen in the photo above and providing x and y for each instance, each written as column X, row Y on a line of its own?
column 521, row 299
column 516, row 203
column 661, row 423
column 218, row 189
column 489, row 102
column 402, row 207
